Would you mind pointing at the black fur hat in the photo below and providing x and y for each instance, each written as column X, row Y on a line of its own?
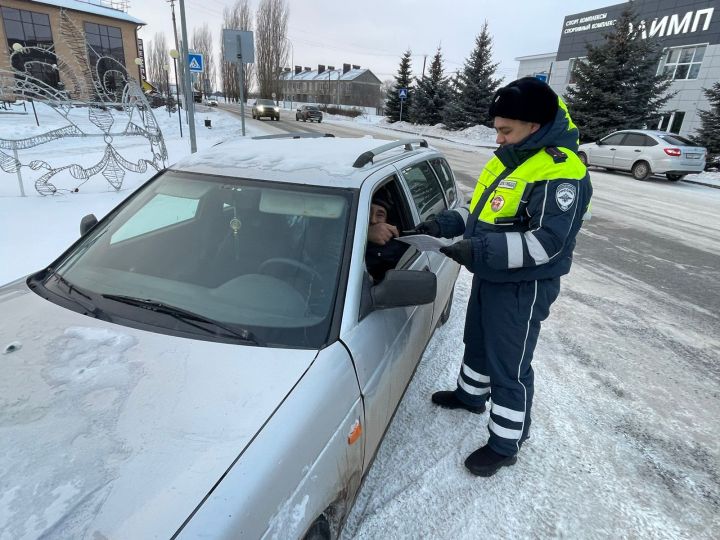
column 527, row 99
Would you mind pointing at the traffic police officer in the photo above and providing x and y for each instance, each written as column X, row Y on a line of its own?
column 518, row 239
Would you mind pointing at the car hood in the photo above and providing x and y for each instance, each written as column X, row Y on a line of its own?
column 111, row 432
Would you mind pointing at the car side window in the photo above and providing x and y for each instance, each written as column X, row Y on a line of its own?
column 444, row 174
column 616, row 138
column 425, row 189
column 634, row 139
column 649, row 141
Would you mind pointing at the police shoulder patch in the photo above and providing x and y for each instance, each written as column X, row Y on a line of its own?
column 507, row 184
column 565, row 196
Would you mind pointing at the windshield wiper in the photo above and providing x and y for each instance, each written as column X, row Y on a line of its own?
column 72, row 289
column 184, row 315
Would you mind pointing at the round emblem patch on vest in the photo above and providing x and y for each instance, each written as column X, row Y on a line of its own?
column 497, row 203
column 565, row 196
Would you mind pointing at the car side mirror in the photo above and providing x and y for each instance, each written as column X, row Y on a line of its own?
column 401, row 288
column 87, row 223
column 599, row 143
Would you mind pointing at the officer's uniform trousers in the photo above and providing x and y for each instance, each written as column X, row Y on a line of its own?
column 501, row 330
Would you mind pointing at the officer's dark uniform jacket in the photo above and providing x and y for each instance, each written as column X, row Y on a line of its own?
column 527, row 207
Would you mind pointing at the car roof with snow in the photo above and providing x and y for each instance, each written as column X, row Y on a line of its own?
column 322, row 161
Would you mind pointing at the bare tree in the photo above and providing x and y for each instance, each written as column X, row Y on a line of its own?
column 202, row 43
column 157, row 63
column 237, row 17
column 271, row 44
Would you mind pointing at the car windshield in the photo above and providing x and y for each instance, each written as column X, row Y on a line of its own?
column 676, row 140
column 269, row 102
column 312, row 108
column 256, row 256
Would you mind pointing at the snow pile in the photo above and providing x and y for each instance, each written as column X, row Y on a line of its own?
column 474, row 135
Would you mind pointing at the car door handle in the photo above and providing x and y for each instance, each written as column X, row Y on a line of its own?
column 637, row 150
column 426, row 268
column 612, row 149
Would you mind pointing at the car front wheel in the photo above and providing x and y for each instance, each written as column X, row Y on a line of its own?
column 674, row 177
column 583, row 158
column 641, row 170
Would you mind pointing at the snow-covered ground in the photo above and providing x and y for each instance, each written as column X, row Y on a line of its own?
column 601, row 462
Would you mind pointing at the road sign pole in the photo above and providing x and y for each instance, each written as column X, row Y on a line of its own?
column 401, row 104
column 242, row 93
column 189, row 100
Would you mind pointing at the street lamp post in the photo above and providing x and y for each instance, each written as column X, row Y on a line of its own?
column 292, row 72
column 174, row 54
column 166, row 69
column 190, row 105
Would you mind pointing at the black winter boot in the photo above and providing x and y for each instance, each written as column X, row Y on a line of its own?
column 448, row 400
column 486, row 462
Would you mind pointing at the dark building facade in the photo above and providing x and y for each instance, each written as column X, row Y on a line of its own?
column 689, row 32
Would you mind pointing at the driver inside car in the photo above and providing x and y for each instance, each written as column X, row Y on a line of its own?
column 383, row 252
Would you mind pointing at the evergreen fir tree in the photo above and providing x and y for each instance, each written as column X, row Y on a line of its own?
column 709, row 133
column 402, row 80
column 617, row 85
column 430, row 94
column 453, row 114
column 476, row 85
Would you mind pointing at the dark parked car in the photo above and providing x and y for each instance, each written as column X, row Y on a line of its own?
column 266, row 107
column 308, row 112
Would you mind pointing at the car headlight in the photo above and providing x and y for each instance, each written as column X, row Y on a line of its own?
column 260, row 108
column 277, row 109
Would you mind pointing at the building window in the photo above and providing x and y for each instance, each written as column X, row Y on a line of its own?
column 682, row 63
column 671, row 122
column 105, row 42
column 31, row 29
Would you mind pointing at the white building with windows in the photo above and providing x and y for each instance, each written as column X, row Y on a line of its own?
column 688, row 31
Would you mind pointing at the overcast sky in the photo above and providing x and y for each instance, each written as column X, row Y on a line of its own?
column 375, row 33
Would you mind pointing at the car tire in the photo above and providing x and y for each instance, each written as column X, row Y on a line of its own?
column 304, row 119
column 674, row 177
column 641, row 170
column 445, row 315
column 320, row 120
column 583, row 158
column 319, row 530
column 297, row 118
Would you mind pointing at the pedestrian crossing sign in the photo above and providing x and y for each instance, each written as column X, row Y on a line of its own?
column 402, row 93
column 195, row 62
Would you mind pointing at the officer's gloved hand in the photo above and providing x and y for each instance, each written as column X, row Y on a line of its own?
column 460, row 252
column 429, row 227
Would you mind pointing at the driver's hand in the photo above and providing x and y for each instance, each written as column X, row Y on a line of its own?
column 382, row 233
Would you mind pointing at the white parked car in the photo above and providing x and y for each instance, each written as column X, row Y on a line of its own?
column 645, row 152
column 212, row 359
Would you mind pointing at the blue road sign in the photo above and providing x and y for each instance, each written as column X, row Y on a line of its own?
column 195, row 62
column 402, row 93
column 541, row 76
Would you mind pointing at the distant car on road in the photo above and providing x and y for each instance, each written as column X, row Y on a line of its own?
column 212, row 102
column 266, row 108
column 645, row 152
column 212, row 358
column 308, row 112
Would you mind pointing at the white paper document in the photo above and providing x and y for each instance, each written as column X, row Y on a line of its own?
column 423, row 242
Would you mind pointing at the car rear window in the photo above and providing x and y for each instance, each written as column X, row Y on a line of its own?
column 677, row 140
